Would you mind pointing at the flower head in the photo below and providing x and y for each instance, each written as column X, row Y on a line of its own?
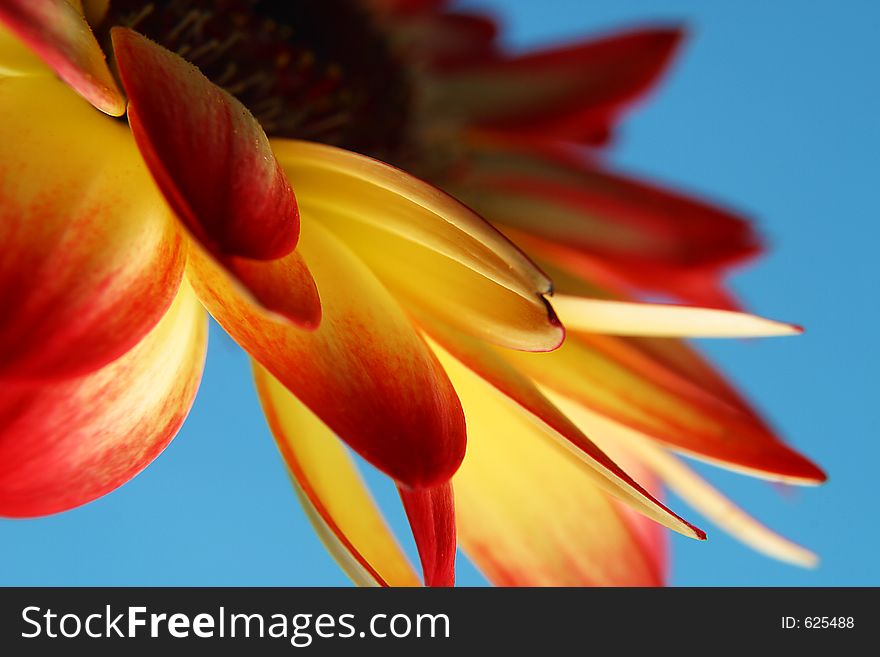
column 211, row 163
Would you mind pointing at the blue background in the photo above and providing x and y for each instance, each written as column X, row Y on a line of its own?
column 772, row 107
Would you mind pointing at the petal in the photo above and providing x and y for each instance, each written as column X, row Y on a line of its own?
column 575, row 92
column 208, row 154
column 331, row 490
column 663, row 320
column 64, row 444
column 431, row 513
column 364, row 371
column 458, row 349
column 530, row 513
column 606, row 376
column 416, row 238
column 59, row 33
column 560, row 195
column 91, row 257
column 688, row 485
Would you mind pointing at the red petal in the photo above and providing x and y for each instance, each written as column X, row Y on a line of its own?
column 573, row 93
column 67, row 443
column 364, row 371
column 208, row 154
column 59, row 34
column 431, row 514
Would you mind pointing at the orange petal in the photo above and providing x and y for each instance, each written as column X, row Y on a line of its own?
column 431, row 513
column 416, row 238
column 91, row 256
column 492, row 367
column 608, row 377
column 364, row 371
column 663, row 320
column 64, row 444
column 336, row 500
column 529, row 513
column 58, row 33
column 688, row 485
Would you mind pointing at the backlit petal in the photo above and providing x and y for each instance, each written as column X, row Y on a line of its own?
column 64, row 444
column 529, row 513
column 492, row 367
column 662, row 320
column 573, row 92
column 208, row 154
column 364, row 371
column 688, row 485
column 60, row 35
column 431, row 514
column 335, row 497
column 425, row 246
column 92, row 258
column 607, row 376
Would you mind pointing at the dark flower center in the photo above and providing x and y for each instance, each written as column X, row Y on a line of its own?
column 307, row 69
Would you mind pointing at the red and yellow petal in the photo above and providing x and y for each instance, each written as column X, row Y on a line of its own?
column 456, row 349
column 333, row 494
column 57, row 31
column 606, row 375
column 92, row 258
column 213, row 162
column 529, row 512
column 687, row 484
column 427, row 248
column 208, row 154
column 64, row 444
column 364, row 371
column 572, row 93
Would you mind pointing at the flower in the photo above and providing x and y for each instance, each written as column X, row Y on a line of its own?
column 376, row 308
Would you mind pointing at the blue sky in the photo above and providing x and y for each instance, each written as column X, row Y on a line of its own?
column 772, row 108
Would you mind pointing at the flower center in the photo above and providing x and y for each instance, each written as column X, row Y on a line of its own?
column 307, row 69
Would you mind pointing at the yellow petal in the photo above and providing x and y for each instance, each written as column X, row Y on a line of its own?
column 529, row 512
column 688, row 485
column 333, row 494
column 487, row 407
column 662, row 320
column 424, row 245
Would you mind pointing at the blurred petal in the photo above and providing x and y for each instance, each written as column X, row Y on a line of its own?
column 364, row 371
column 416, row 238
column 573, row 93
column 663, row 320
column 431, row 513
column 91, row 257
column 603, row 375
column 560, row 195
column 530, row 513
column 64, row 444
column 332, row 491
column 486, row 362
column 59, row 34
column 692, row 488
